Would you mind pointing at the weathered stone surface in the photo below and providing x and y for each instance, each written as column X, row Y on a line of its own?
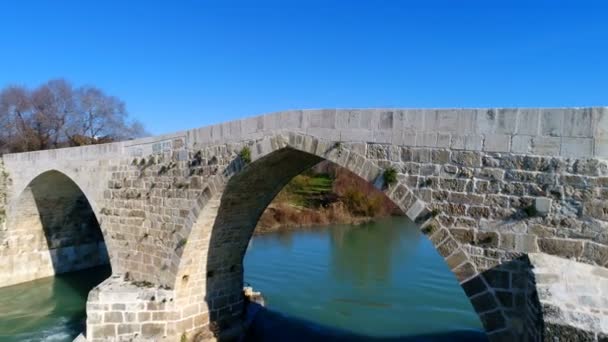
column 176, row 210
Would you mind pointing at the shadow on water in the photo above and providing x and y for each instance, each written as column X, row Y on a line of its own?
column 49, row 309
column 268, row 325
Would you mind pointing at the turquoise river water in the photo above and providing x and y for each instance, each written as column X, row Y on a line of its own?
column 378, row 281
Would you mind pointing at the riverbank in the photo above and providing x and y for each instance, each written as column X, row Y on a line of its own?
column 284, row 217
column 325, row 194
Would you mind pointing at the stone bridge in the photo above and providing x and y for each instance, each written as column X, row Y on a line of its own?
column 513, row 199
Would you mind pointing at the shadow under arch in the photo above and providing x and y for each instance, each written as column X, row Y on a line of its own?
column 62, row 231
column 244, row 199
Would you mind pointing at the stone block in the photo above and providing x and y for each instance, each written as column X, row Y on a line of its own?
column 440, row 157
column 322, row 118
column 497, row 143
column 561, row 247
column 417, row 210
column 595, row 253
column 484, row 302
column 506, row 120
column 441, row 120
column 358, row 135
column 497, row 279
column 542, row 205
column 486, row 121
column 551, row 122
column 447, row 247
column 443, row 140
column 527, row 124
column 426, row 139
column 577, row 147
column 385, row 120
column 600, row 122
column 521, row 144
column 487, row 239
column 474, row 286
column 408, row 139
column 414, row 120
column 465, row 272
column 493, row 321
column 601, row 147
column 466, row 158
column 456, row 259
column 112, row 317
column 152, row 330
column 549, row 146
column 352, row 119
column 102, row 332
column 578, row 123
column 124, row 329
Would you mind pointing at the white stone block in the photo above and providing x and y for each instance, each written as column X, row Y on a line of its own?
column 352, row 119
column 443, row 140
column 506, row 120
column 521, row 144
column 578, row 123
column 358, row 135
column 547, row 146
column 486, row 120
column 542, row 205
column 601, row 148
column 409, row 139
column 385, row 120
column 383, row 137
column 497, row 143
column 473, row 142
column 467, row 121
column 426, row 139
column 600, row 122
column 416, row 210
column 444, row 120
column 457, row 142
column 414, row 120
column 527, row 123
column 577, row 147
column 551, row 122
column 322, row 118
column 324, row 133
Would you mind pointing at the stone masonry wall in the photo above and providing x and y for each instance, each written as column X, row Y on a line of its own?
column 487, row 186
column 51, row 229
column 484, row 209
column 569, row 299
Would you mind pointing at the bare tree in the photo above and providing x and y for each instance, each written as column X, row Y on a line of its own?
column 15, row 109
column 55, row 115
column 52, row 103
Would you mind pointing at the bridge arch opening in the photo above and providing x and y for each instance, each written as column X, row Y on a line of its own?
column 245, row 197
column 53, row 230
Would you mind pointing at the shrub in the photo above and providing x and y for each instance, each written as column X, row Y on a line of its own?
column 245, row 154
column 390, row 176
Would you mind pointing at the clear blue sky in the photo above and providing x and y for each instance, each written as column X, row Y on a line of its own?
column 184, row 64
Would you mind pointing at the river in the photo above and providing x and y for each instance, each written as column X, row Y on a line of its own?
column 382, row 280
column 48, row 309
column 378, row 280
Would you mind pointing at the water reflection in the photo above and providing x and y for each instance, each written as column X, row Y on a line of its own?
column 49, row 309
column 359, row 255
column 378, row 280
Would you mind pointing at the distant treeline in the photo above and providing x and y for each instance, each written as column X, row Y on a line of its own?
column 56, row 114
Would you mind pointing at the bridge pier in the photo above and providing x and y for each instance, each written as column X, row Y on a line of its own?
column 119, row 310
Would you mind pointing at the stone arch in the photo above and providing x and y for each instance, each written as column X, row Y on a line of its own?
column 52, row 229
column 224, row 225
